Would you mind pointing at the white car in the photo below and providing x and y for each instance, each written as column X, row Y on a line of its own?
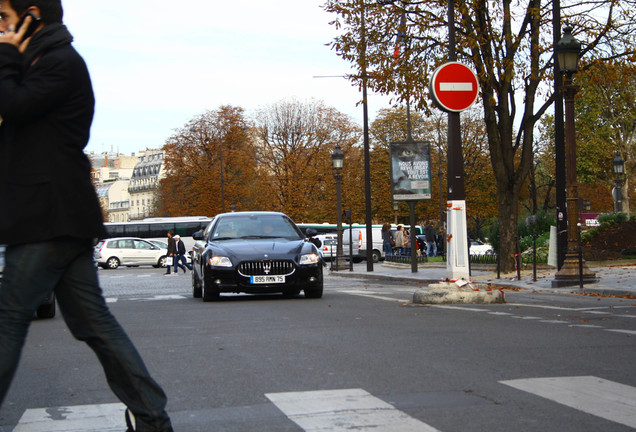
column 480, row 248
column 128, row 251
column 329, row 243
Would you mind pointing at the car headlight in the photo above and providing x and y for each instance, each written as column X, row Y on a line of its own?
column 220, row 261
column 311, row 258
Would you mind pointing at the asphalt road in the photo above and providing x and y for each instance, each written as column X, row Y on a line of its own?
column 361, row 358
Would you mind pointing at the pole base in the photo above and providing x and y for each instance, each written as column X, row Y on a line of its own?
column 569, row 273
column 340, row 264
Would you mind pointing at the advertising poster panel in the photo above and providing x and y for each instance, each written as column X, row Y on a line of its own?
column 410, row 170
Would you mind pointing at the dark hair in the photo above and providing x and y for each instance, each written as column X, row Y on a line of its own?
column 50, row 10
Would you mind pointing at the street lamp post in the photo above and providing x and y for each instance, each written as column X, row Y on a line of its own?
column 337, row 158
column 619, row 168
column 574, row 270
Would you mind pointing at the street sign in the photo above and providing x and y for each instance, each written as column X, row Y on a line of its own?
column 453, row 87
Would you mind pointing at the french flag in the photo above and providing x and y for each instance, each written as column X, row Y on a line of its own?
column 400, row 37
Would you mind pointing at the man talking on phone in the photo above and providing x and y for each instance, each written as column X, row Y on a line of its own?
column 49, row 212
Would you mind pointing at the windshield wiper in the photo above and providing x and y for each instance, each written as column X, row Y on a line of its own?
column 259, row 237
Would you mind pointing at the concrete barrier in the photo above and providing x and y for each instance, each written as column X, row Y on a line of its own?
column 458, row 293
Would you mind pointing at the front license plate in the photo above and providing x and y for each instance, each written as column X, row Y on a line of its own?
column 267, row 279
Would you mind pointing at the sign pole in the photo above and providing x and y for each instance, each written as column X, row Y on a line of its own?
column 413, row 236
column 457, row 264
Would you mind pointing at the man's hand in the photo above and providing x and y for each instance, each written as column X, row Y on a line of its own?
column 14, row 37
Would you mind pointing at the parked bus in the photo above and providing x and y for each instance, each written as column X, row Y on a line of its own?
column 157, row 228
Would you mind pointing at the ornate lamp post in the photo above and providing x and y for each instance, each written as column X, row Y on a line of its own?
column 619, row 168
column 574, row 269
column 337, row 159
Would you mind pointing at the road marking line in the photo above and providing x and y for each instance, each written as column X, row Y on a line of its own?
column 606, row 399
column 79, row 418
column 631, row 332
column 111, row 299
column 460, row 308
column 374, row 296
column 342, row 410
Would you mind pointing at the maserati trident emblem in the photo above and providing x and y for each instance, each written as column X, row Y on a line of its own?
column 267, row 267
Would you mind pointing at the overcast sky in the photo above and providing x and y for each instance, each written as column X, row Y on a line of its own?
column 155, row 64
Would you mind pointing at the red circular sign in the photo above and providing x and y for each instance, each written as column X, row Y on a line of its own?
column 454, row 87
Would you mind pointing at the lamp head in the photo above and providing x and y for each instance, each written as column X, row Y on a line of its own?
column 337, row 158
column 619, row 165
column 568, row 50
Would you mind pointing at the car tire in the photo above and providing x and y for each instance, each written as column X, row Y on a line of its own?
column 112, row 263
column 196, row 285
column 46, row 310
column 376, row 255
column 208, row 292
column 162, row 261
column 315, row 292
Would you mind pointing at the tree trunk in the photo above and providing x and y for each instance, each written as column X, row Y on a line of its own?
column 508, row 216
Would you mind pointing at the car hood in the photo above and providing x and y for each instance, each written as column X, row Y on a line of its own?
column 259, row 249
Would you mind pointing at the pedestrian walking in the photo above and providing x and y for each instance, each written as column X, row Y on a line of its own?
column 172, row 253
column 180, row 259
column 50, row 213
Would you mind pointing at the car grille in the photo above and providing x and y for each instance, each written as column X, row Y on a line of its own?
column 260, row 268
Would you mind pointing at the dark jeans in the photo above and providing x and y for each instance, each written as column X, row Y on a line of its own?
column 183, row 259
column 66, row 266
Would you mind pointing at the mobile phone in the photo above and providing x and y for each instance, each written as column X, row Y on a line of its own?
column 35, row 22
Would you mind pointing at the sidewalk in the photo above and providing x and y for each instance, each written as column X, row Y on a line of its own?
column 614, row 277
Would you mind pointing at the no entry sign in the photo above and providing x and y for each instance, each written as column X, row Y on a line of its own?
column 453, row 87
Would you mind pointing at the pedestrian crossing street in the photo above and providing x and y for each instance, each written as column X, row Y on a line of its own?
column 356, row 409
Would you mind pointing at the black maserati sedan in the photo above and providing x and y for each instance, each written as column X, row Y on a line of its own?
column 254, row 252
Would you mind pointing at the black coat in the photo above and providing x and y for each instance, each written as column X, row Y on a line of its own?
column 47, row 104
column 172, row 246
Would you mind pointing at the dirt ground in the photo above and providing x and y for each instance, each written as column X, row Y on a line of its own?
column 609, row 243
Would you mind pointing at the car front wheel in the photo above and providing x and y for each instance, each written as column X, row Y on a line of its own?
column 196, row 285
column 161, row 262
column 208, row 291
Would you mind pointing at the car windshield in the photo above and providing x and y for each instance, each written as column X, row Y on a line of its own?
column 254, row 227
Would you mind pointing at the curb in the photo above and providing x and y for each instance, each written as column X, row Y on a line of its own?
column 499, row 283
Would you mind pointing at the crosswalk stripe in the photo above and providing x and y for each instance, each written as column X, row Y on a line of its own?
column 343, row 410
column 603, row 398
column 629, row 332
column 79, row 418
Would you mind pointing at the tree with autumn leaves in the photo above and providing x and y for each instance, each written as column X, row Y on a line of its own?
column 211, row 165
column 606, row 126
column 280, row 160
column 510, row 47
